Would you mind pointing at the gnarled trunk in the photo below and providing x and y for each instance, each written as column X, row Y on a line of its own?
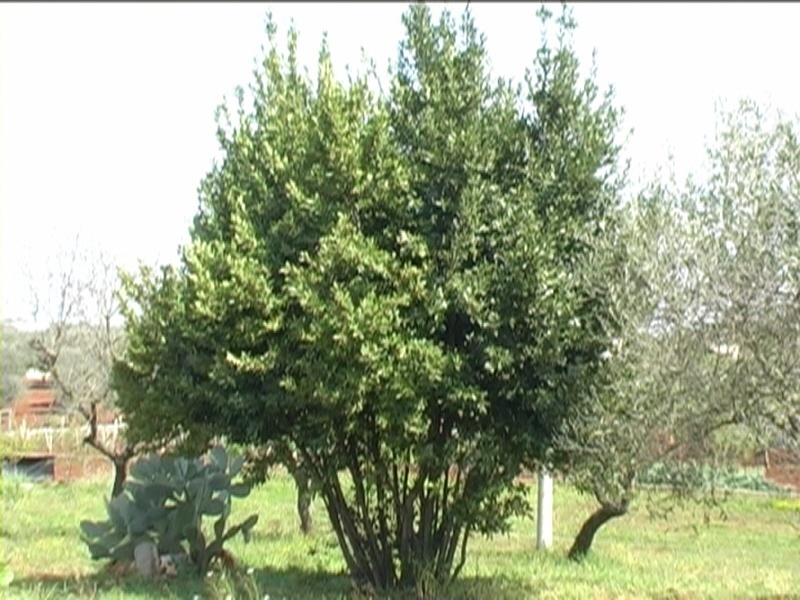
column 120, row 474
column 118, row 457
column 304, row 485
column 305, row 495
column 583, row 541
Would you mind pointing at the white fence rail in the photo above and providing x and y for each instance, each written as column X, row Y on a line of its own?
column 71, row 433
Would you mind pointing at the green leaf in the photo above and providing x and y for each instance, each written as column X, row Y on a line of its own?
column 246, row 526
column 219, row 457
column 113, row 538
column 239, row 490
column 98, row 550
column 236, row 465
column 139, row 525
column 213, row 507
column 124, row 551
column 95, row 529
column 117, row 510
column 213, row 550
column 219, row 528
column 219, row 481
column 183, row 469
column 142, row 470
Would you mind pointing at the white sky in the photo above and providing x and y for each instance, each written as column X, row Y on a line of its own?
column 107, row 110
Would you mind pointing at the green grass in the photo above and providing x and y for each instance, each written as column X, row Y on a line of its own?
column 753, row 553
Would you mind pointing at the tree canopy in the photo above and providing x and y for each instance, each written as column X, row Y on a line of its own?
column 387, row 283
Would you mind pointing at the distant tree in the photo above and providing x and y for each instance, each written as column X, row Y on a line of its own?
column 386, row 286
column 750, row 220
column 16, row 358
column 79, row 303
column 643, row 411
column 702, row 281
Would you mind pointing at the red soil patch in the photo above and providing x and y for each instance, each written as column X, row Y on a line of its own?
column 785, row 475
column 781, row 467
column 71, row 467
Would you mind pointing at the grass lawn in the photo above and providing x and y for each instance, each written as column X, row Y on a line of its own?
column 754, row 553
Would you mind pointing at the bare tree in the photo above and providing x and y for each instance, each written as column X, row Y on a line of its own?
column 81, row 337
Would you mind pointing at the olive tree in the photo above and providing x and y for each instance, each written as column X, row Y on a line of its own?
column 751, row 213
column 702, row 281
column 385, row 283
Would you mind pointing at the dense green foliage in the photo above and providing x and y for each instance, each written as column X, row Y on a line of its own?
column 386, row 283
column 165, row 502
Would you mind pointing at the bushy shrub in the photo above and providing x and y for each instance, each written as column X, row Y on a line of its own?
column 165, row 502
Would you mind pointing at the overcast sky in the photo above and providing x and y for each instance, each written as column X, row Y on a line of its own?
column 107, row 110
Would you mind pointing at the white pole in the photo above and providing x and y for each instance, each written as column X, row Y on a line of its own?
column 544, row 522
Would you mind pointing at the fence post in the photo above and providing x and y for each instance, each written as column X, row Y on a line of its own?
column 544, row 520
column 48, row 438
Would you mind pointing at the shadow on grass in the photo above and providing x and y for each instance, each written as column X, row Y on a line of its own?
column 291, row 583
column 489, row 588
column 103, row 584
column 255, row 584
column 308, row 584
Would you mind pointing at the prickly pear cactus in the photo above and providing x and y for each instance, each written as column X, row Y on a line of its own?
column 165, row 503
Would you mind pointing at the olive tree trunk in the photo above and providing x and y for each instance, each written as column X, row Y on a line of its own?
column 305, row 496
column 583, row 541
column 120, row 474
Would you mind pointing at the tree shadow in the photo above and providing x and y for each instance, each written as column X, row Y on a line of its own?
column 307, row 584
column 295, row 583
column 485, row 587
column 255, row 584
column 99, row 584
